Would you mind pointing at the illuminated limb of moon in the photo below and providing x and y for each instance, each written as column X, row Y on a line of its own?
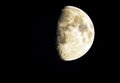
column 75, row 33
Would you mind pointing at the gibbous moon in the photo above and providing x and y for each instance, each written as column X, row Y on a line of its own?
column 75, row 33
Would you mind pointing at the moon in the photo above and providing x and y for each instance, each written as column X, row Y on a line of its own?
column 75, row 33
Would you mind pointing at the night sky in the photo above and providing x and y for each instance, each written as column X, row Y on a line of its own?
column 45, row 57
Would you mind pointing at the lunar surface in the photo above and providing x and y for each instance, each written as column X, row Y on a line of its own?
column 75, row 33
